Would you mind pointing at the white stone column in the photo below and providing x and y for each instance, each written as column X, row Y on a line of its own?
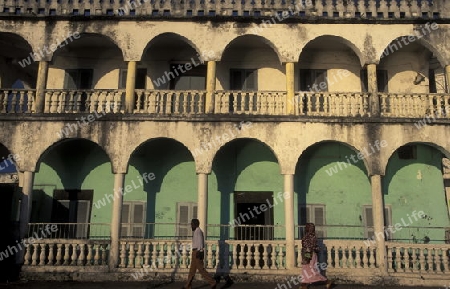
column 372, row 88
column 447, row 77
column 289, row 220
column 25, row 202
column 116, row 220
column 130, row 86
column 378, row 222
column 41, row 83
column 291, row 104
column 210, row 87
column 202, row 199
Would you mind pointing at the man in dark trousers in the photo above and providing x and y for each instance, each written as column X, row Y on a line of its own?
column 197, row 256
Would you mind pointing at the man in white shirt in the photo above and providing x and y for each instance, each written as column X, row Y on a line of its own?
column 197, row 256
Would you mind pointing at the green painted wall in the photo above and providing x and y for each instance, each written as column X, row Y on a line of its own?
column 245, row 166
column 417, row 185
column 343, row 192
column 74, row 165
column 175, row 181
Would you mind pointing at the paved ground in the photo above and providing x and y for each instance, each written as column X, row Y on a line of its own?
column 175, row 285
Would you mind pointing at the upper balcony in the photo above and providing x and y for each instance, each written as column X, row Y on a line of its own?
column 296, row 9
column 173, row 78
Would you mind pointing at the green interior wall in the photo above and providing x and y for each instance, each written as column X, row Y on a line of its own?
column 247, row 166
column 417, row 185
column 343, row 193
column 74, row 165
column 175, row 181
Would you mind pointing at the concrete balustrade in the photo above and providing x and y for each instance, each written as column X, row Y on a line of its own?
column 385, row 9
column 179, row 102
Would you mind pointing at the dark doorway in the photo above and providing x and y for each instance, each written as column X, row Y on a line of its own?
column 254, row 215
column 9, row 228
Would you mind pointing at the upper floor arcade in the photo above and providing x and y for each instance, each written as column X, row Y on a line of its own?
column 189, row 68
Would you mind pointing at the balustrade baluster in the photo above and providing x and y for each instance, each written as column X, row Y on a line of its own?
column 58, row 254
column 431, row 260
column 422, row 262
column 372, row 258
column 35, row 254
column 139, row 96
column 26, row 259
column 365, row 258
column 21, row 101
column 66, row 253
column 139, row 257
column 30, row 103
column 42, row 255
column 150, row 99
column 160, row 255
column 201, row 102
column 177, row 103
column 235, row 98
column 242, row 257
column 418, row 261
column 309, row 97
column 147, row 254
column 223, row 103
column 131, row 256
column 168, row 258
column 404, row 7
column 329, row 260
column 4, row 101
column 51, row 255
column 104, row 253
column 398, row 259
column 14, row 101
column 81, row 257
column 89, row 255
column 189, row 97
column 184, row 258
column 123, row 255
column 97, row 255
column 74, row 255
column 446, row 260
column 266, row 256
column 154, row 255
column 345, row 257
column 169, row 101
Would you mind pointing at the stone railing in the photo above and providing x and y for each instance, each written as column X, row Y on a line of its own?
column 415, row 105
column 418, row 258
column 84, row 101
column 344, row 254
column 401, row 9
column 250, row 102
column 192, row 102
column 220, row 255
column 166, row 102
column 17, row 100
column 332, row 104
column 63, row 252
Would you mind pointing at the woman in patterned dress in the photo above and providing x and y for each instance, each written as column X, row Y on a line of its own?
column 310, row 270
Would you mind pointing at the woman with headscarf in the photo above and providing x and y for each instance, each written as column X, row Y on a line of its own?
column 310, row 248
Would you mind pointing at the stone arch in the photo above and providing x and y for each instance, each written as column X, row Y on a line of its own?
column 48, row 149
column 422, row 41
column 174, row 35
column 257, row 38
column 338, row 39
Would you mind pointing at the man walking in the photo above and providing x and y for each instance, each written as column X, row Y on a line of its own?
column 197, row 256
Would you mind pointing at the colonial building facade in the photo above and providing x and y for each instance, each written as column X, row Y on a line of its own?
column 121, row 121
